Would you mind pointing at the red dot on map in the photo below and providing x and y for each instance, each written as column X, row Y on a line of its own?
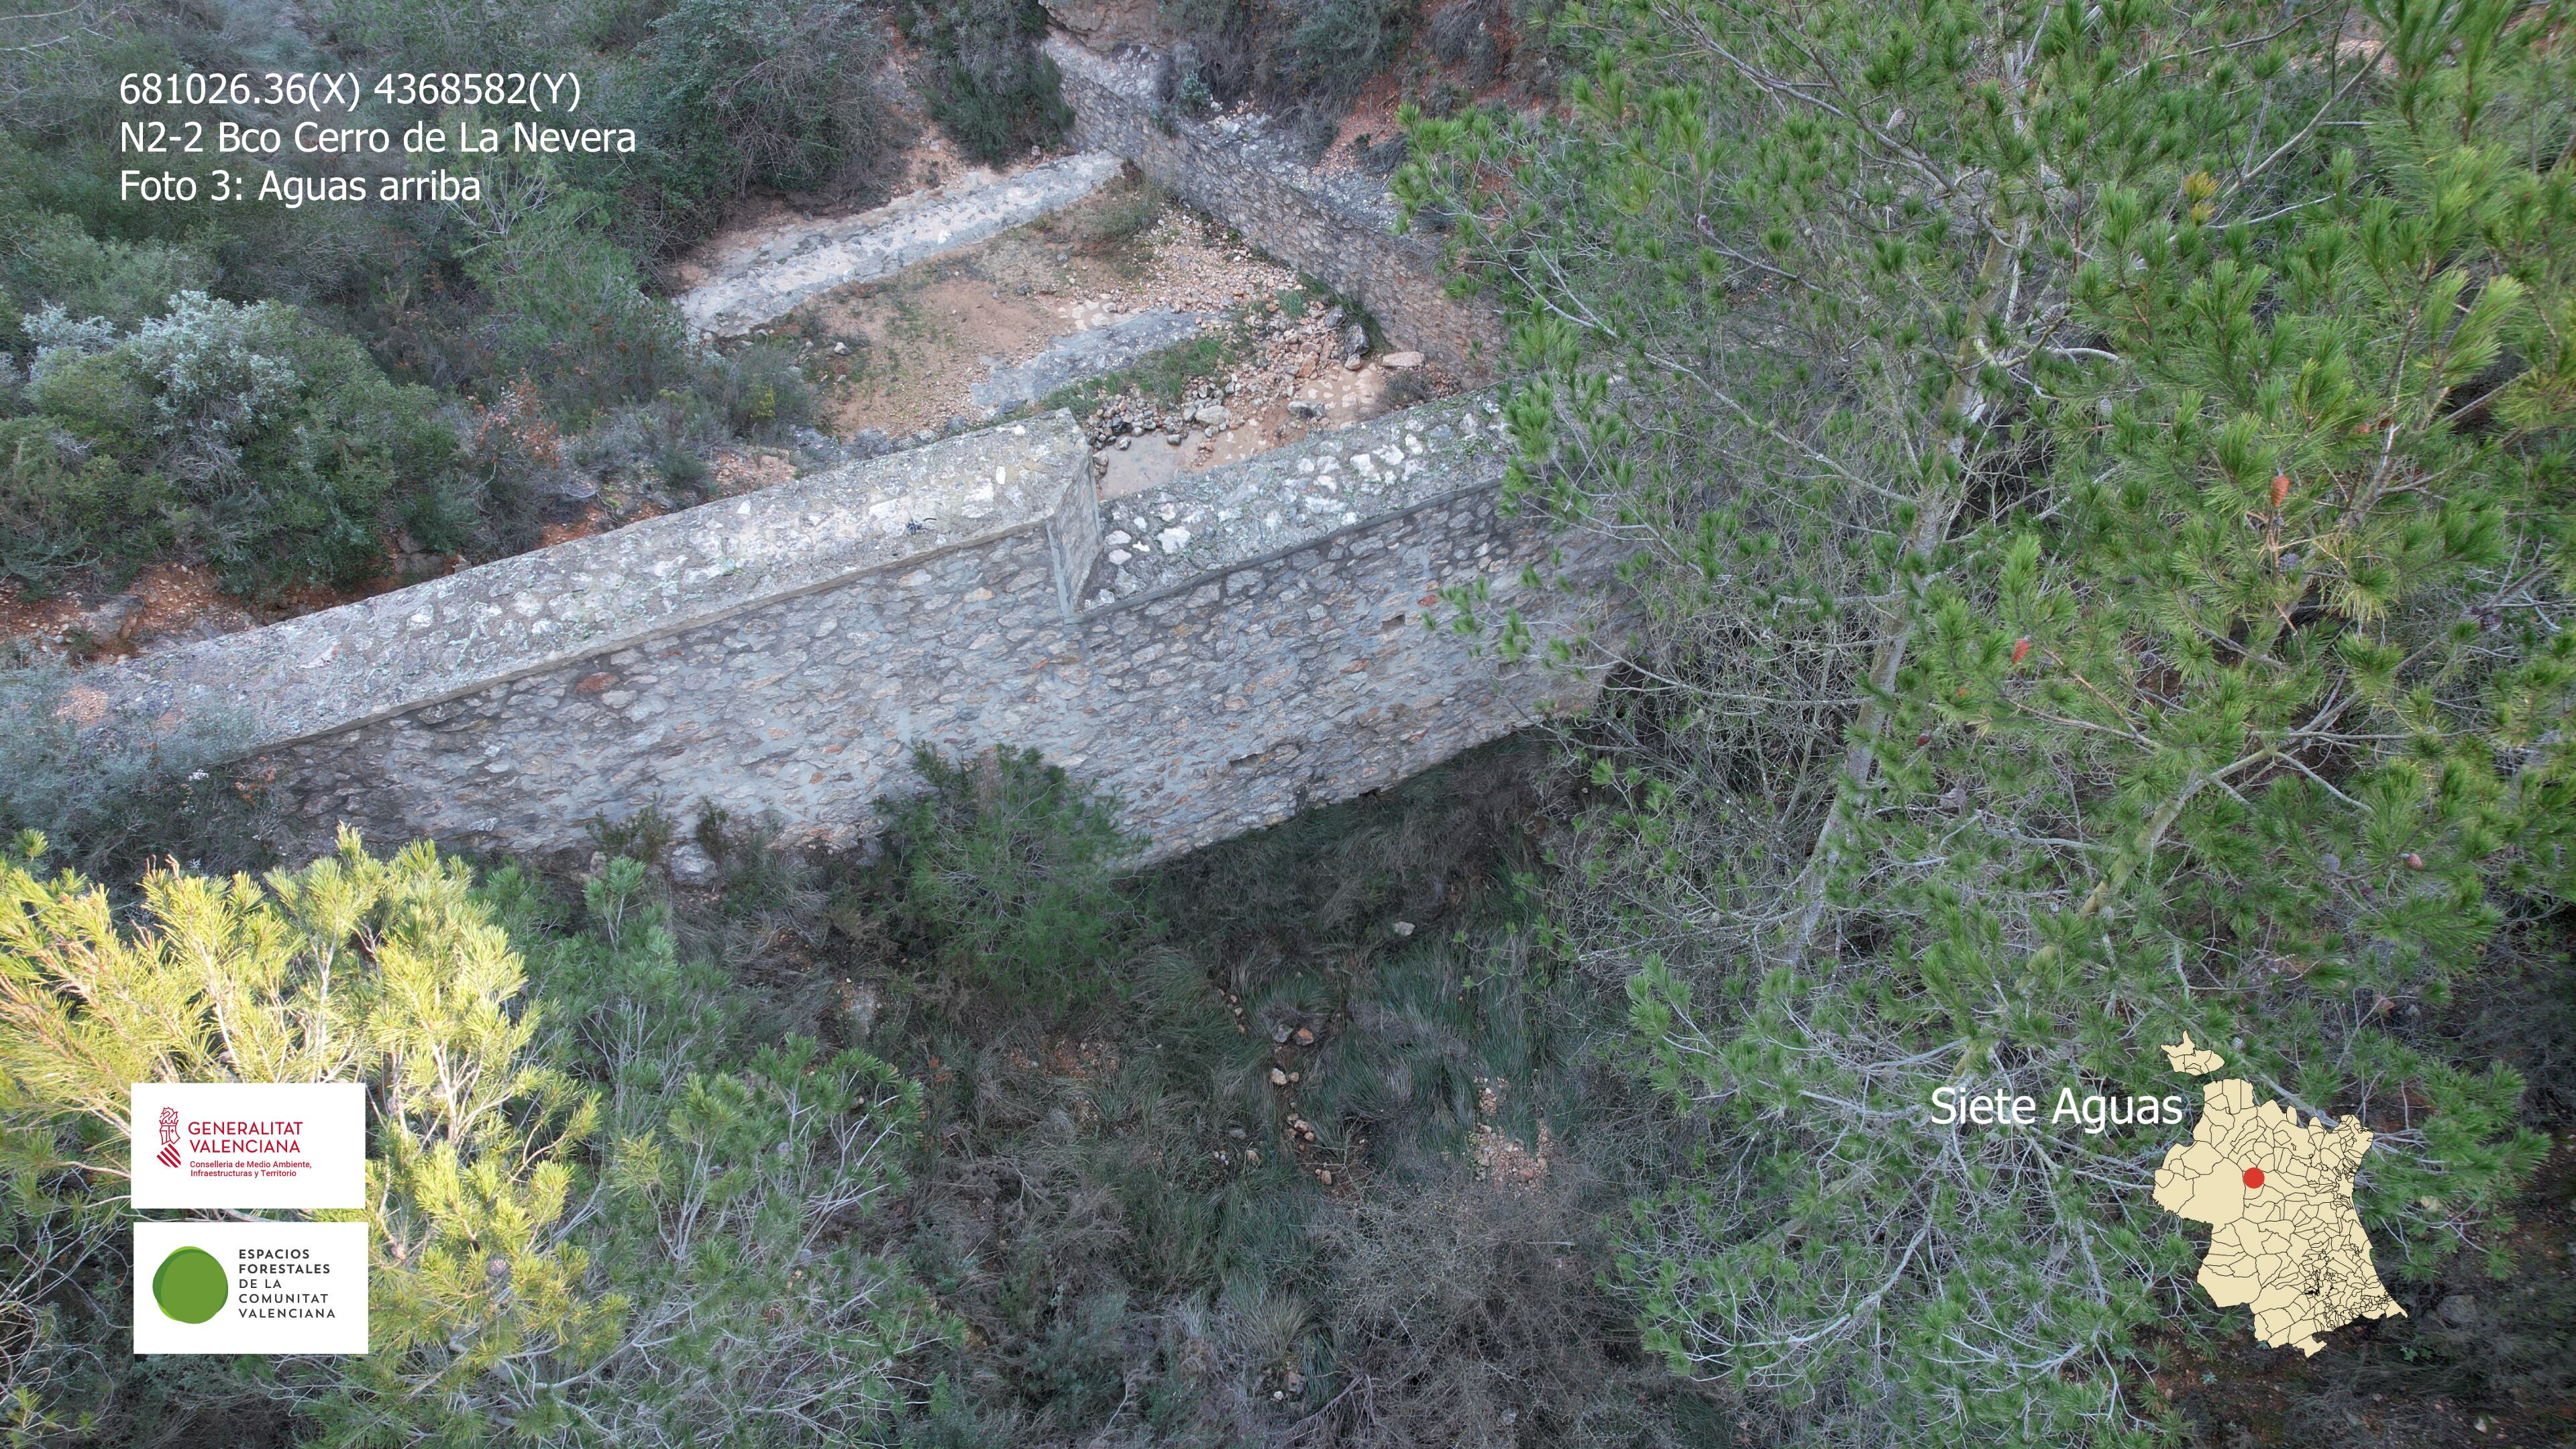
column 2253, row 1177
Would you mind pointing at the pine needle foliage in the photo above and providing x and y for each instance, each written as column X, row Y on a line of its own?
column 1004, row 872
column 2100, row 484
column 603, row 1218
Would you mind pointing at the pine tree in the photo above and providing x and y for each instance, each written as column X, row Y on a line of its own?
column 601, row 1214
column 2100, row 486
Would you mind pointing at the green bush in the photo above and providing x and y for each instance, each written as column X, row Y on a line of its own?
column 490, row 35
column 46, row 258
column 994, row 92
column 67, row 506
column 604, row 1213
column 1004, row 871
column 1305, row 59
column 736, row 94
column 1341, row 44
column 110, row 804
column 761, row 390
column 256, row 440
column 567, row 311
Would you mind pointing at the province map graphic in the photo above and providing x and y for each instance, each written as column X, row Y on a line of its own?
column 2277, row 1194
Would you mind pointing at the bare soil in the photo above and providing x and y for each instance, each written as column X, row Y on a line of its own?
column 901, row 355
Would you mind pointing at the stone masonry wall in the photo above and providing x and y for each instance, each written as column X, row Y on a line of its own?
column 1339, row 229
column 780, row 652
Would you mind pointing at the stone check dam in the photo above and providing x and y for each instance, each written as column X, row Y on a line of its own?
column 1220, row 651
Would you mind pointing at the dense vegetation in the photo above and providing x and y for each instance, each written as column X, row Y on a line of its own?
column 971, row 1144
column 324, row 394
column 994, row 91
column 602, row 1201
column 2101, row 495
column 2101, row 486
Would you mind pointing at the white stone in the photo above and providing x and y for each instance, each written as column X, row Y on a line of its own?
column 691, row 865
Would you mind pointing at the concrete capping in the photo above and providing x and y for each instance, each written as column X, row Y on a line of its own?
column 341, row 668
column 1285, row 499
column 758, row 284
column 1157, row 593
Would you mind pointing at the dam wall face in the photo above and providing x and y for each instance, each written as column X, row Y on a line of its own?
column 1220, row 652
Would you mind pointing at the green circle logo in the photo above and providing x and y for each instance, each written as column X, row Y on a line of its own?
column 190, row 1285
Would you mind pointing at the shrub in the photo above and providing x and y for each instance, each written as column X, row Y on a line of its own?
column 496, row 34
column 736, row 94
column 1462, row 35
column 1004, row 869
column 47, row 259
column 1340, row 44
column 597, row 1203
column 275, row 448
column 1405, row 388
column 1468, row 1309
column 512, row 457
column 994, row 92
column 67, row 506
column 111, row 803
column 567, row 310
column 761, row 390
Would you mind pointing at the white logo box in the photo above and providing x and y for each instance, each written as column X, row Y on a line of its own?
column 284, row 1287
column 250, row 1145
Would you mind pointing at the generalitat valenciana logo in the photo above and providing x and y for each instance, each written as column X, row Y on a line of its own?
column 232, row 1145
